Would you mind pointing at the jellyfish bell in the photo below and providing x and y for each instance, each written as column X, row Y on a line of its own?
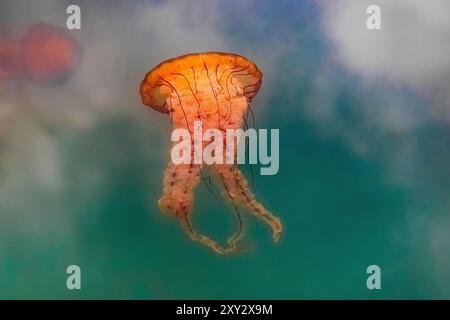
column 203, row 71
column 49, row 54
column 215, row 90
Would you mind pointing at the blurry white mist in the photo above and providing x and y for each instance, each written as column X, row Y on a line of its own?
column 409, row 54
column 412, row 49
column 402, row 72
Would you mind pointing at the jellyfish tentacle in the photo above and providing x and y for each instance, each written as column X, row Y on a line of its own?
column 246, row 126
column 201, row 238
column 252, row 114
column 178, row 196
column 255, row 207
column 247, row 199
column 234, row 239
column 209, row 186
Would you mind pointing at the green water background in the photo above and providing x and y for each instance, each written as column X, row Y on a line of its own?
column 339, row 211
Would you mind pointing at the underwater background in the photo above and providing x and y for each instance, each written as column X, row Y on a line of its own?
column 364, row 154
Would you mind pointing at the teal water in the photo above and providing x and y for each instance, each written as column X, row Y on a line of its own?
column 339, row 211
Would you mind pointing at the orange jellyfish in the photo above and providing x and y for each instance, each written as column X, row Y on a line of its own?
column 45, row 54
column 49, row 53
column 216, row 89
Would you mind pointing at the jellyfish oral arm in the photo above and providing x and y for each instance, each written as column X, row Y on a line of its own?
column 215, row 147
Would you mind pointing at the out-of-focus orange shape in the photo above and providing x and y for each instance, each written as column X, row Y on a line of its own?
column 49, row 53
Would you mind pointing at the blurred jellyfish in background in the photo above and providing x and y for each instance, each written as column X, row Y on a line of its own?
column 49, row 54
column 42, row 56
column 45, row 54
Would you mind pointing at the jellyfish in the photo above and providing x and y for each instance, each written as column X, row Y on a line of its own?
column 44, row 54
column 215, row 88
column 49, row 54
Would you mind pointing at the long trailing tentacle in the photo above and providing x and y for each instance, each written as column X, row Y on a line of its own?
column 203, row 239
column 232, row 240
column 246, row 127
column 235, row 237
column 242, row 194
column 178, row 197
